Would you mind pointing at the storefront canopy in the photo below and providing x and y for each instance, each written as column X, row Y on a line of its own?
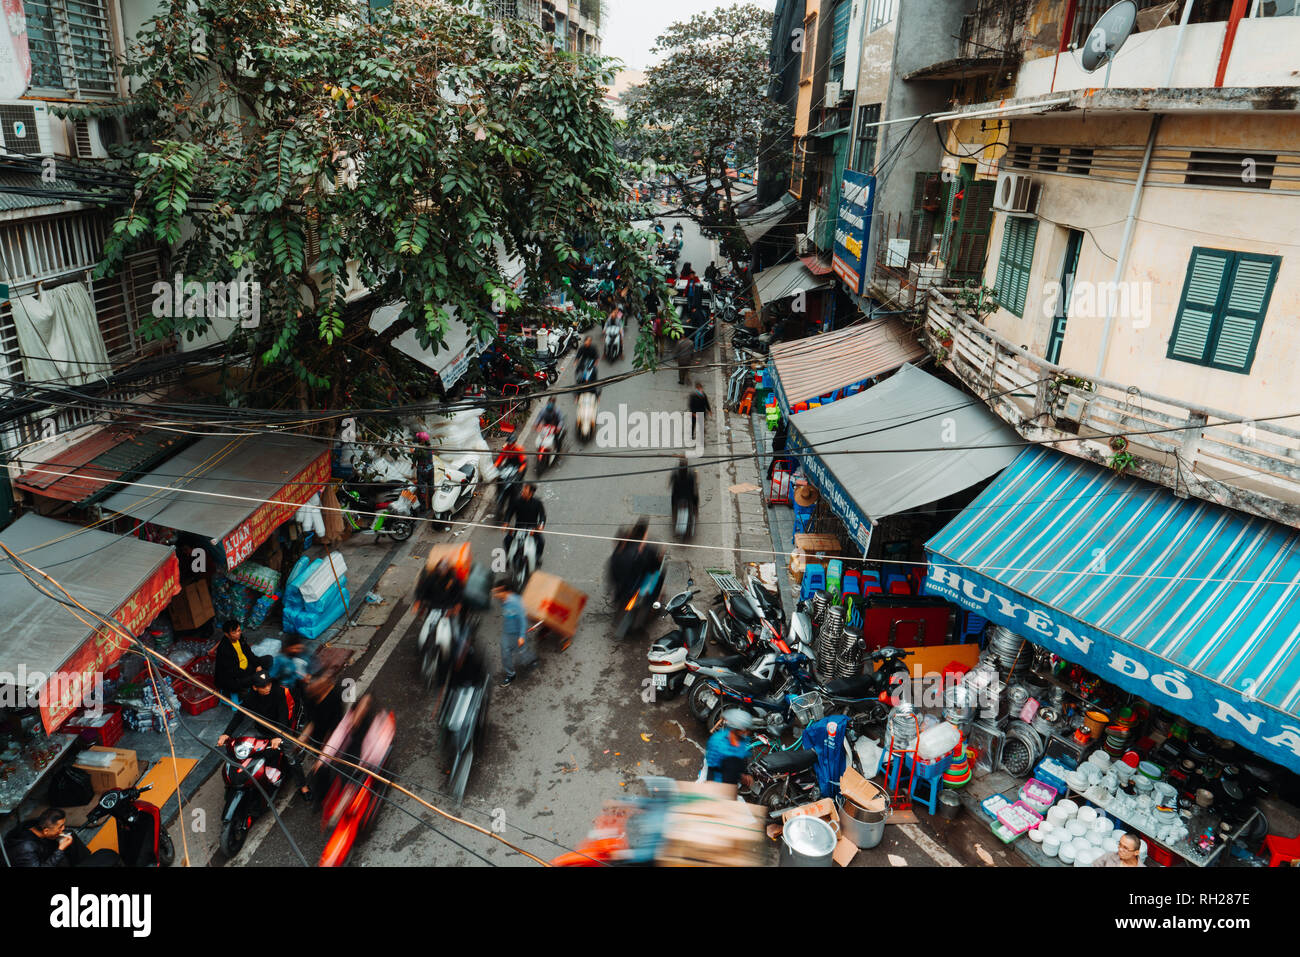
column 450, row 361
column 1192, row 606
column 757, row 226
column 89, row 470
column 233, row 492
column 909, row 441
column 818, row 365
column 113, row 575
column 777, row 282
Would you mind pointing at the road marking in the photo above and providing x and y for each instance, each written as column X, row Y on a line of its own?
column 922, row 840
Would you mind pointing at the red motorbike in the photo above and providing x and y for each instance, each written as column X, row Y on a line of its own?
column 352, row 800
column 253, row 775
column 141, row 839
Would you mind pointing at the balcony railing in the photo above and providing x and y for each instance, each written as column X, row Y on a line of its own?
column 1222, row 457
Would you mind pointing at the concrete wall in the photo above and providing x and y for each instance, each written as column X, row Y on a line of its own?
column 1172, row 219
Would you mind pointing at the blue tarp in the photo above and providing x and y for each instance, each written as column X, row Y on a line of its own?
column 1192, row 606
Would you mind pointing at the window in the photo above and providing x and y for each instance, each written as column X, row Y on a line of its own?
column 1020, row 156
column 839, row 40
column 882, row 12
column 809, row 46
column 1049, row 158
column 1079, row 161
column 1232, row 169
column 70, row 44
column 1012, row 282
column 1225, row 298
column 864, row 156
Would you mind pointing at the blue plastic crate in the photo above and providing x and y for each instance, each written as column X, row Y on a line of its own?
column 937, row 769
column 1047, row 777
column 992, row 804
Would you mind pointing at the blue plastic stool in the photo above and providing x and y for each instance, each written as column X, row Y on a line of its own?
column 933, row 786
column 974, row 626
column 849, row 584
column 814, row 580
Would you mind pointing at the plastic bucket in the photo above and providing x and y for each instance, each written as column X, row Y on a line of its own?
column 862, row 826
column 1097, row 721
column 807, row 842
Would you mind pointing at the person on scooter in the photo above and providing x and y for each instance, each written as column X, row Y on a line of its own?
column 727, row 753
column 587, row 353
column 527, row 512
column 659, row 229
column 442, row 586
column 275, row 704
column 422, row 459
column 512, row 451
column 551, row 415
column 44, row 842
column 678, row 233
column 682, row 485
column 712, row 272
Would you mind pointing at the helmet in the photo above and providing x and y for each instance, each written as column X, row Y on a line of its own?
column 422, row 436
column 738, row 719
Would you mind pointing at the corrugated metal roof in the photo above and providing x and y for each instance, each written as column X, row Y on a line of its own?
column 10, row 202
column 821, row 364
column 778, row 282
column 87, row 469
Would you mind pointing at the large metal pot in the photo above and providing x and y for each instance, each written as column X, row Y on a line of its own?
column 862, row 826
column 807, row 842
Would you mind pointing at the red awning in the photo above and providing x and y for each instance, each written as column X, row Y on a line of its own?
column 91, row 466
column 816, row 266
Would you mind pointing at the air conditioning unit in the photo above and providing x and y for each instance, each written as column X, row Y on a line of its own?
column 1016, row 193
column 25, row 128
column 92, row 138
column 832, row 96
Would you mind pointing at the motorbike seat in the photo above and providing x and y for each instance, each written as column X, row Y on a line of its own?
column 730, row 661
column 743, row 608
column 790, row 762
column 747, row 684
column 857, row 686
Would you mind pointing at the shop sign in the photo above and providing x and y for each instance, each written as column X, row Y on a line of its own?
column 857, row 197
column 1258, row 727
column 842, row 504
column 60, row 698
column 257, row 528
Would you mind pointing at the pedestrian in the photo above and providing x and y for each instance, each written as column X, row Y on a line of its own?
column 699, row 406
column 516, row 649
column 1128, row 854
column 236, row 664
column 422, row 477
column 684, row 352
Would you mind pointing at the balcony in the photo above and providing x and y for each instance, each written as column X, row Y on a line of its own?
column 1253, row 467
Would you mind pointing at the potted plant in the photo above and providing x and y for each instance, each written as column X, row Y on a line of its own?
column 944, row 335
column 1121, row 462
column 1118, row 443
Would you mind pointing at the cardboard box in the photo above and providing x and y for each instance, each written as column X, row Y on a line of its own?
column 121, row 770
column 558, row 605
column 451, row 553
column 192, row 608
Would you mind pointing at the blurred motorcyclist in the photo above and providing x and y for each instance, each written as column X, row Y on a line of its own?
column 728, row 749
column 550, row 415
column 632, row 560
column 527, row 512
column 587, row 353
column 683, row 485
column 512, row 451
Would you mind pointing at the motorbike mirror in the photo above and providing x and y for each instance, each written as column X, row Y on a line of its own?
column 656, row 606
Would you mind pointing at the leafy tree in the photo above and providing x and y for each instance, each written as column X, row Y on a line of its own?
column 705, row 99
column 428, row 146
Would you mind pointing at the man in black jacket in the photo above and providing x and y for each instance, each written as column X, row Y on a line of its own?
column 273, row 703
column 527, row 512
column 236, row 664
column 43, row 842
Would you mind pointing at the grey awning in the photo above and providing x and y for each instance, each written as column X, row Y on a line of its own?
column 101, row 570
column 757, row 226
column 449, row 362
column 886, row 448
column 777, row 282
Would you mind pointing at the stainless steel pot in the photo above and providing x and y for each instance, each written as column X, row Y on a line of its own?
column 807, row 842
column 862, row 827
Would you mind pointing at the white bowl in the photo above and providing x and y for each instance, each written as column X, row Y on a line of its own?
column 1069, row 807
column 1110, row 844
column 1078, row 828
column 1087, row 814
column 1036, row 834
column 1103, row 826
column 1099, row 758
column 1051, row 846
column 1068, row 852
column 1087, row 856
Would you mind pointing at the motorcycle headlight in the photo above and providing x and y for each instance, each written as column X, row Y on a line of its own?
column 243, row 750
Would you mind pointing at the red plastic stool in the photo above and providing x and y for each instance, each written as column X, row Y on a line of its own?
column 1280, row 850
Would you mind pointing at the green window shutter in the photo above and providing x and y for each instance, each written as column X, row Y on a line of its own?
column 1001, row 282
column 1012, row 282
column 1221, row 313
column 971, row 244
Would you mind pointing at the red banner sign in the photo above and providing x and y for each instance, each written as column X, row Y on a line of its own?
column 269, row 516
column 64, row 692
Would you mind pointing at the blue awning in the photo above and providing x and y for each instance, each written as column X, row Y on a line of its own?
column 1192, row 606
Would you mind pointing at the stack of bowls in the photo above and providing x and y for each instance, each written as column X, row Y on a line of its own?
column 1052, row 844
column 1012, row 653
column 1088, row 856
column 1148, row 769
column 1068, row 852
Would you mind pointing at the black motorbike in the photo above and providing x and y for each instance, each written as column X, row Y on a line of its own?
column 785, row 779
column 141, row 839
column 462, row 714
column 510, row 479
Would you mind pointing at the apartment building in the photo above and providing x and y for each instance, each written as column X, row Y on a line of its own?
column 574, row 25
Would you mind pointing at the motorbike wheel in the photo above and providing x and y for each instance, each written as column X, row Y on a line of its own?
column 461, row 776
column 166, row 850
column 701, row 701
column 777, row 797
column 233, row 835
column 430, row 663
column 401, row 529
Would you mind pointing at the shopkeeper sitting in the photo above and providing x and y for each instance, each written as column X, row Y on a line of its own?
column 236, row 664
column 43, row 842
column 1127, row 856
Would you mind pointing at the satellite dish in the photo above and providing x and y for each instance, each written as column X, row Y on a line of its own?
column 1108, row 35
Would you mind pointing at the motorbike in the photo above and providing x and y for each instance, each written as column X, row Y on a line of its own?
column 253, row 776
column 393, row 504
column 637, row 610
column 684, row 519
column 457, row 488
column 521, row 558
column 785, row 779
column 613, row 341
column 750, row 613
column 354, row 805
column 586, row 418
column 462, row 726
column 549, row 440
column 586, row 371
column 437, row 636
column 510, row 479
column 868, row 695
column 141, row 839
column 668, row 655
column 771, row 700
column 751, row 341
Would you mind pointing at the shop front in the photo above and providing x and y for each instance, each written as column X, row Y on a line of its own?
column 51, row 661
column 1149, row 646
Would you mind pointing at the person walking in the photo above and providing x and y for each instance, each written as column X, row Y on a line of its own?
column 684, row 353
column 699, row 406
column 516, row 649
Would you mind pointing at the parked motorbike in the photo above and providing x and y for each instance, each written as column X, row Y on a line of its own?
column 668, row 655
column 380, row 508
column 751, row 341
column 785, row 779
column 549, row 440
column 141, row 839
column 769, row 699
column 521, row 558
column 253, row 776
column 354, row 805
column 868, row 694
column 586, row 417
column 457, row 488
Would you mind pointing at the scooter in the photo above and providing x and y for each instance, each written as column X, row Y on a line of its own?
column 462, row 726
column 510, row 478
column 586, row 371
column 785, row 779
column 586, row 418
column 684, row 519
column 668, row 655
column 521, row 559
column 141, row 839
column 253, row 776
column 394, row 503
column 457, row 488
column 770, row 699
column 638, row 607
column 437, row 637
column 355, row 805
column 613, row 342
column 549, row 441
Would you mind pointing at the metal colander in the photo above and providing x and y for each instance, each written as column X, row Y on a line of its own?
column 828, row 641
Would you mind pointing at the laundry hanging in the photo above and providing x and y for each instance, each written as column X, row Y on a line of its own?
column 59, row 336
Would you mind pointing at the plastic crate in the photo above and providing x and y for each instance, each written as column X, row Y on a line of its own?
column 1051, row 780
column 106, row 732
column 930, row 770
column 195, row 700
column 992, row 804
